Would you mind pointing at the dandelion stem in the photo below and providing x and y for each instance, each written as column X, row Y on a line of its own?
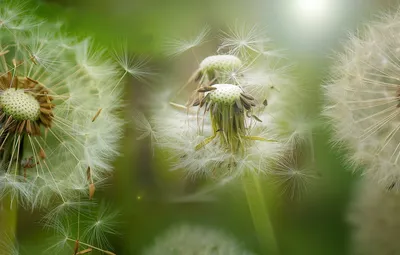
column 9, row 204
column 8, row 222
column 259, row 214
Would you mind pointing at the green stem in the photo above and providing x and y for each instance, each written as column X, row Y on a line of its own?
column 259, row 214
column 9, row 206
column 8, row 223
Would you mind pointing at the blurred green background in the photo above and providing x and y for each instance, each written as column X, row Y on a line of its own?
column 142, row 184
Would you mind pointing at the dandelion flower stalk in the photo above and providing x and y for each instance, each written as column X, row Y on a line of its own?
column 8, row 221
column 259, row 213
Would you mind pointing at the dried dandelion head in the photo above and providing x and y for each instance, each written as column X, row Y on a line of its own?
column 363, row 99
column 58, row 96
column 227, row 104
column 190, row 240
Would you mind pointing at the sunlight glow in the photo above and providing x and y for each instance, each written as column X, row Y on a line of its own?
column 312, row 6
column 315, row 18
column 313, row 10
column 311, row 24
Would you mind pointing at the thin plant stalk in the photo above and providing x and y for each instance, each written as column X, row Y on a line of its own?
column 9, row 208
column 8, row 223
column 259, row 213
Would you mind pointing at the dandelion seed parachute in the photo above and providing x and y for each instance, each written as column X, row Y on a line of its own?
column 192, row 239
column 293, row 173
column 363, row 99
column 94, row 229
column 51, row 87
column 244, row 40
column 174, row 47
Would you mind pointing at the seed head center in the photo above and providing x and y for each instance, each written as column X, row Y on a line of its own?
column 225, row 94
column 19, row 104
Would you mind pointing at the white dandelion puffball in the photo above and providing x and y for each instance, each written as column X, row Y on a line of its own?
column 374, row 218
column 363, row 99
column 195, row 240
column 58, row 102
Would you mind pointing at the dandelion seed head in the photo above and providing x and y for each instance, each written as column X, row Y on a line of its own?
column 20, row 105
column 363, row 98
column 192, row 239
column 51, row 87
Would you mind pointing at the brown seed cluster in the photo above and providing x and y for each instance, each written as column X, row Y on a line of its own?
column 38, row 92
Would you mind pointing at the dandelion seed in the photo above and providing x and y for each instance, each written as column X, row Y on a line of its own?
column 97, row 114
column 136, row 66
column 175, row 47
column 81, row 236
column 101, row 225
column 143, row 126
column 243, row 40
column 85, row 251
column 293, row 173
